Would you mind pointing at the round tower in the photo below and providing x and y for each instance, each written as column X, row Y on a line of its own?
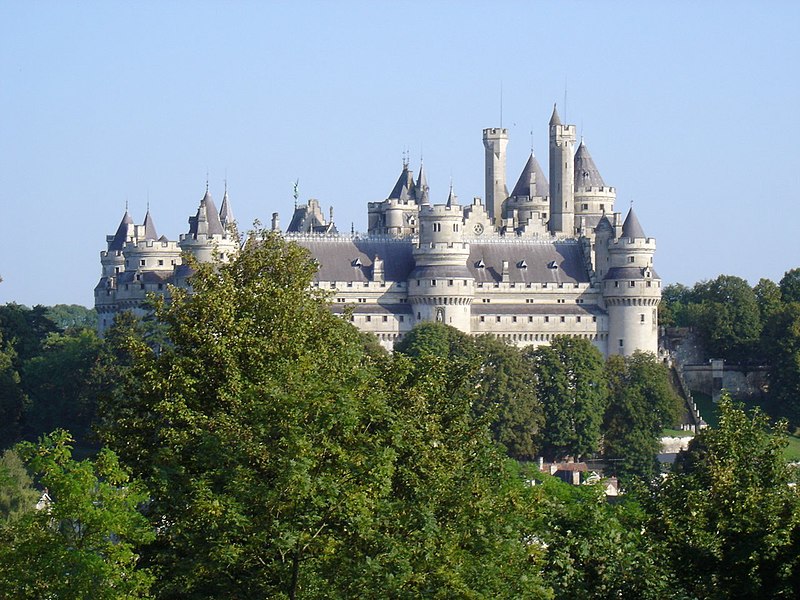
column 631, row 291
column 593, row 198
column 207, row 239
column 441, row 288
column 562, row 178
column 495, row 140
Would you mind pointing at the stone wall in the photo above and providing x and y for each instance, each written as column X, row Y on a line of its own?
column 742, row 384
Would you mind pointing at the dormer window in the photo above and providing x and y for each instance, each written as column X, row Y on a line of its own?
column 552, row 265
column 522, row 265
column 356, row 263
column 480, row 264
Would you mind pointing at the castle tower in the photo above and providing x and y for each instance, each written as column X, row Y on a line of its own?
column 111, row 259
column 562, row 178
column 631, row 291
column 529, row 204
column 207, row 239
column 495, row 141
column 441, row 288
column 593, row 198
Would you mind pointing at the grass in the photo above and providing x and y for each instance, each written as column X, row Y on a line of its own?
column 708, row 410
column 676, row 433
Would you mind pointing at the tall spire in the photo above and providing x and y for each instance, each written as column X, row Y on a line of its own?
column 149, row 226
column 225, row 212
column 422, row 186
column 124, row 232
column 631, row 228
column 452, row 199
column 586, row 172
column 555, row 119
column 532, row 181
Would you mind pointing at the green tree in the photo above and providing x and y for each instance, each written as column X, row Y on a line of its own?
column 728, row 318
column 57, row 383
column 26, row 329
column 790, row 286
column 672, row 310
column 72, row 316
column 505, row 392
column 287, row 460
column 782, row 348
column 17, row 495
column 81, row 545
column 12, row 397
column 727, row 520
column 641, row 403
column 568, row 376
column 768, row 297
column 595, row 549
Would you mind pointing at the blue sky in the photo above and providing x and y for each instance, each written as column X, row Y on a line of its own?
column 691, row 110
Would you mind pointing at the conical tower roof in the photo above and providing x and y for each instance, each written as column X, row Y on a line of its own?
column 631, row 227
column 422, row 187
column 523, row 187
column 123, row 233
column 404, row 188
column 226, row 213
column 586, row 172
column 149, row 227
column 555, row 119
column 452, row 199
column 208, row 212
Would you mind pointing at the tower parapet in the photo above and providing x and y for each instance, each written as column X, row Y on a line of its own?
column 207, row 239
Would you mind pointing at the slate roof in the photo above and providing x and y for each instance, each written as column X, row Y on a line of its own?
column 523, row 187
column 337, row 256
column 379, row 308
column 226, row 213
column 121, row 236
column 212, row 216
column 145, row 277
column 555, row 119
column 631, row 228
column 404, row 188
column 422, row 186
column 149, row 227
column 538, row 257
column 586, row 172
column 493, row 308
column 628, row 273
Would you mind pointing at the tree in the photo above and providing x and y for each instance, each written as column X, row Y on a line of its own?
column 768, row 297
column 728, row 318
column 790, row 286
column 25, row 329
column 568, row 376
column 12, row 397
column 287, row 460
column 672, row 310
column 80, row 545
column 72, row 316
column 726, row 520
column 641, row 403
column 17, row 495
column 782, row 348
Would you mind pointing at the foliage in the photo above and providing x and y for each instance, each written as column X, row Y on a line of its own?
column 288, row 460
column 17, row 494
column 56, row 383
column 673, row 308
column 768, row 297
column 790, row 286
column 783, row 352
column 26, row 329
column 72, row 316
column 595, row 550
column 82, row 544
column 642, row 402
column 504, row 390
column 12, row 397
column 726, row 521
column 568, row 376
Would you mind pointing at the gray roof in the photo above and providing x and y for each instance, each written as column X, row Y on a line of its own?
column 149, row 227
column 226, row 213
column 422, row 186
column 144, row 277
column 629, row 273
column 631, row 227
column 555, row 119
column 537, row 256
column 121, row 236
column 337, row 257
column 544, row 262
column 604, row 223
column 212, row 216
column 378, row 308
column 405, row 187
column 523, row 187
column 586, row 173
column 494, row 308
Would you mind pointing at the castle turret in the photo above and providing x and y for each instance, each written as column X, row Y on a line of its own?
column 631, row 291
column 111, row 259
column 562, row 178
column 441, row 288
column 593, row 198
column 495, row 140
column 529, row 204
column 226, row 217
column 207, row 239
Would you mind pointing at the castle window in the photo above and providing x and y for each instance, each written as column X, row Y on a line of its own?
column 585, row 206
column 384, row 318
column 455, row 227
column 578, row 319
column 616, row 284
column 437, row 227
column 547, row 319
column 563, row 318
column 356, row 262
column 649, row 284
column 161, row 286
column 141, row 286
column 480, row 264
column 352, row 318
column 417, row 282
column 552, row 265
column 349, row 284
column 641, row 318
column 632, row 284
column 419, row 317
column 142, row 262
column 160, row 263
column 450, row 282
column 497, row 318
column 433, row 282
column 514, row 319
column 483, row 319
column 527, row 285
column 530, row 319
column 522, row 265
column 603, row 207
column 630, row 259
column 369, row 318
column 620, row 343
column 402, row 318
column 594, row 319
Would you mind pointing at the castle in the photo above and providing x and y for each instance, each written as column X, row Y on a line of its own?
column 548, row 259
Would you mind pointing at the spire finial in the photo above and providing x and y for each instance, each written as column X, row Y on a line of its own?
column 501, row 104
column 531, row 140
column 126, row 204
column 206, row 181
column 296, row 192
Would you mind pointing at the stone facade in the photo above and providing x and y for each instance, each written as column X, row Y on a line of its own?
column 548, row 259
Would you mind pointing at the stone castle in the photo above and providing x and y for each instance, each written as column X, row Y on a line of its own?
column 548, row 259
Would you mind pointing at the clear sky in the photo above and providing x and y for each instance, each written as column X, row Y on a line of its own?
column 690, row 109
